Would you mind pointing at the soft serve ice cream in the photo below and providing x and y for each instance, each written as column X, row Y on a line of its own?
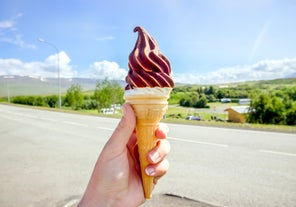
column 148, row 67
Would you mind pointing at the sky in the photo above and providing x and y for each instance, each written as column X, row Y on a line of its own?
column 206, row 41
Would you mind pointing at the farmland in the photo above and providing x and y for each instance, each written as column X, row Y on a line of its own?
column 184, row 101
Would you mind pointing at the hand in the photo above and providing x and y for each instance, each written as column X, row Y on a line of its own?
column 116, row 179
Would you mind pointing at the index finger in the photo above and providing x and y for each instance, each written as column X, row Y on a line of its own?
column 162, row 131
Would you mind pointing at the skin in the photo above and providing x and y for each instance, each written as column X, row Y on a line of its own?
column 116, row 179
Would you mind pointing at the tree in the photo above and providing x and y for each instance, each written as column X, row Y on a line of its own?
column 210, row 90
column 291, row 115
column 267, row 110
column 51, row 101
column 220, row 94
column 108, row 93
column 258, row 109
column 211, row 98
column 39, row 101
column 74, row 96
column 277, row 111
column 202, row 102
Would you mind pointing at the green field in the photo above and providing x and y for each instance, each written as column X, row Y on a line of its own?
column 205, row 114
column 172, row 109
column 175, row 112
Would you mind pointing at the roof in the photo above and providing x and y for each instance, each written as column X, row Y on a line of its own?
column 239, row 109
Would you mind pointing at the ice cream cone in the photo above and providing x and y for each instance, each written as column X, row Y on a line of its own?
column 149, row 111
column 149, row 84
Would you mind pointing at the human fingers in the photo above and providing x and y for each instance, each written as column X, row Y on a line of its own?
column 159, row 152
column 158, row 170
column 162, row 131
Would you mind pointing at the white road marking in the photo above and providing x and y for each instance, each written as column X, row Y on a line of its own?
column 105, row 128
column 48, row 119
column 278, row 153
column 75, row 123
column 197, row 142
column 254, row 131
column 30, row 116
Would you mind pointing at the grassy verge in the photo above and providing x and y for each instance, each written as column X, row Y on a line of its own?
column 262, row 127
column 217, row 109
column 205, row 114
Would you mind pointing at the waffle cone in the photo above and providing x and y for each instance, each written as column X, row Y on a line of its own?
column 149, row 111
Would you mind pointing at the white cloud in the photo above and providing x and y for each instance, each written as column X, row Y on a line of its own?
column 262, row 70
column 105, row 69
column 6, row 24
column 9, row 33
column 16, row 39
column 10, row 23
column 66, row 70
column 47, row 68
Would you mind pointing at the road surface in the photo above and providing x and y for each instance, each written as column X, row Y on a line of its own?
column 47, row 157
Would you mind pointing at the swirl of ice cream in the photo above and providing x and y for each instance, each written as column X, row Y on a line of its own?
column 148, row 67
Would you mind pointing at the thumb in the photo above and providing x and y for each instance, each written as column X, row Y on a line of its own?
column 123, row 131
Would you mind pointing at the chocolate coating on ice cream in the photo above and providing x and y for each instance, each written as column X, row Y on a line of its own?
column 147, row 66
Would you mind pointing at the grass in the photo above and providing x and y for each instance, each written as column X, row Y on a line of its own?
column 217, row 109
column 261, row 127
column 205, row 114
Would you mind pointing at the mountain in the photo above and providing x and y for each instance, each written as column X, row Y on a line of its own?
column 29, row 85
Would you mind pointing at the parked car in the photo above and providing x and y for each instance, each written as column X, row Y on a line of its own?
column 108, row 111
column 193, row 118
column 219, row 120
column 225, row 100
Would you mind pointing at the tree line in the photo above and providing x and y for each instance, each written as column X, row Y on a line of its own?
column 269, row 105
column 274, row 107
column 199, row 97
column 105, row 94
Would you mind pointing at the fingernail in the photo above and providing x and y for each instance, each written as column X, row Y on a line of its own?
column 154, row 156
column 150, row 171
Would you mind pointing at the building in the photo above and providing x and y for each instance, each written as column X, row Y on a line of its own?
column 246, row 101
column 237, row 113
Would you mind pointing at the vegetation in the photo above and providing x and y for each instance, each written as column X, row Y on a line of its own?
column 49, row 101
column 74, row 97
column 199, row 97
column 108, row 93
column 274, row 107
column 273, row 102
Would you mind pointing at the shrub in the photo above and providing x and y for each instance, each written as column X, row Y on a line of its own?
column 39, row 101
column 51, row 101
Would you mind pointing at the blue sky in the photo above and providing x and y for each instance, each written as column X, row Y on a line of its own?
column 209, row 41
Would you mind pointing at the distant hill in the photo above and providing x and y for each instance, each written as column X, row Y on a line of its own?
column 259, row 83
column 25, row 85
column 283, row 81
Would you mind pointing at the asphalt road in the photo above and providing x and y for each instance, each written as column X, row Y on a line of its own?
column 47, row 157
